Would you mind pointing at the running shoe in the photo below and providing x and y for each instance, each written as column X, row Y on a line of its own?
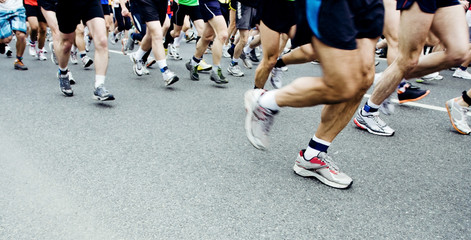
column 144, row 70
column 387, row 107
column 2, row 48
column 217, row 77
column 86, row 61
column 372, row 123
column 112, row 37
column 258, row 120
column 88, row 43
column 150, row 61
column 246, row 60
column 19, row 65
column 32, row 49
column 169, row 77
column 71, row 78
column 276, row 78
column 101, row 94
column 461, row 74
column 430, row 77
column 284, row 68
column 193, row 71
column 204, row 67
column 458, row 116
column 253, row 56
column 411, row 93
column 323, row 168
column 73, row 57
column 174, row 52
column 41, row 55
column 8, row 51
column 64, row 83
column 137, row 64
column 235, row 70
column 226, row 54
column 130, row 42
column 124, row 44
column 231, row 51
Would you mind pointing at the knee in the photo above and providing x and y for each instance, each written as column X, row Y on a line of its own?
column 457, row 56
column 270, row 61
column 223, row 36
column 21, row 36
column 101, row 42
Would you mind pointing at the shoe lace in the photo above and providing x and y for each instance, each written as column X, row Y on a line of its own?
column 328, row 161
column 378, row 120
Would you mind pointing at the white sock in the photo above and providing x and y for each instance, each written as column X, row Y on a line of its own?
column 177, row 41
column 140, row 53
column 162, row 63
column 99, row 80
column 311, row 152
column 267, row 100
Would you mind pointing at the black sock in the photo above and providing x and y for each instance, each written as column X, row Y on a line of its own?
column 466, row 98
column 279, row 63
column 463, row 68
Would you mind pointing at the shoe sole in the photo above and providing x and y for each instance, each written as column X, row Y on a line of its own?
column 20, row 68
column 415, row 99
column 89, row 63
column 218, row 80
column 103, row 99
column 311, row 174
column 451, row 119
column 248, row 97
column 67, row 94
column 235, row 75
column 172, row 81
column 364, row 127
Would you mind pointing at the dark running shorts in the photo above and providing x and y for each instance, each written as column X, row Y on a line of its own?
column 210, row 9
column 339, row 23
column 182, row 10
column 69, row 13
column 153, row 10
column 34, row 11
column 48, row 5
column 427, row 6
column 278, row 15
column 106, row 9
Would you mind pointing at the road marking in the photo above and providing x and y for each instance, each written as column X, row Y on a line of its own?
column 114, row 51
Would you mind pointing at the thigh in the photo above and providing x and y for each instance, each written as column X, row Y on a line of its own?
column 450, row 27
column 270, row 41
column 68, row 15
column 93, row 9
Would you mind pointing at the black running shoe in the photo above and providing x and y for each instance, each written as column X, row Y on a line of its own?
column 253, row 56
column 2, row 48
column 231, row 51
column 193, row 71
column 411, row 94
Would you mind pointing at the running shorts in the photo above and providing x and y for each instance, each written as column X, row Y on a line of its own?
column 182, row 10
column 153, row 10
column 69, row 13
column 278, row 15
column 339, row 23
column 48, row 5
column 34, row 11
column 427, row 6
column 245, row 16
column 10, row 21
column 210, row 9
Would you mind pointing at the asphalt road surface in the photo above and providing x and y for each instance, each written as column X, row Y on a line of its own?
column 174, row 163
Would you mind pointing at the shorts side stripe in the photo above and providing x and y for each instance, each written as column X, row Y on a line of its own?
column 312, row 13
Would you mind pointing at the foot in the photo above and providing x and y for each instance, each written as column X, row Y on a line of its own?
column 217, row 77
column 276, row 78
column 169, row 77
column 86, row 62
column 101, row 94
column 411, row 93
column 372, row 123
column 235, row 70
column 458, row 116
column 193, row 71
column 258, row 120
column 64, row 84
column 323, row 168
column 19, row 65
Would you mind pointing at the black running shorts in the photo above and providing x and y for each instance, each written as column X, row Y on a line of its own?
column 48, row 5
column 427, row 6
column 69, row 13
column 153, row 10
column 181, row 11
column 34, row 11
column 339, row 23
column 278, row 15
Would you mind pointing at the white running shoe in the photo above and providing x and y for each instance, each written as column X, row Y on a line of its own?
column 323, row 168
column 73, row 57
column 86, row 61
column 32, row 49
column 458, row 116
column 258, row 120
column 169, row 77
column 137, row 64
column 246, row 60
column 41, row 55
column 461, row 74
column 276, row 77
column 372, row 123
column 235, row 70
column 224, row 51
